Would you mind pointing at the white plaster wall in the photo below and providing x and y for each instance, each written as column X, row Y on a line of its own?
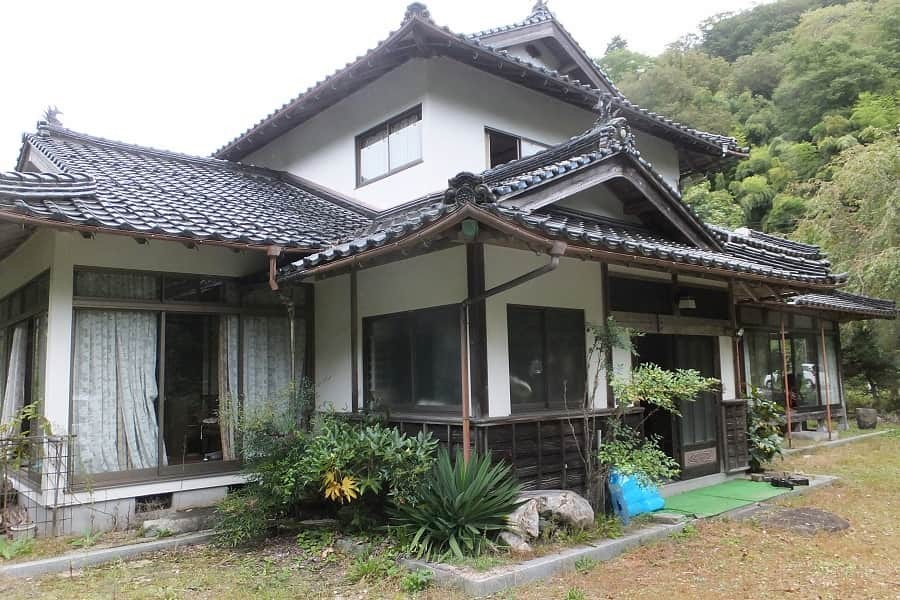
column 574, row 284
column 599, row 200
column 662, row 155
column 434, row 279
column 726, row 366
column 28, row 261
column 333, row 370
column 458, row 102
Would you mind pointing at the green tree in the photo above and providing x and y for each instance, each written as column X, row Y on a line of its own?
column 715, row 207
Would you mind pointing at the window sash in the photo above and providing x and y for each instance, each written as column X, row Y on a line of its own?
column 411, row 360
column 552, row 343
column 389, row 147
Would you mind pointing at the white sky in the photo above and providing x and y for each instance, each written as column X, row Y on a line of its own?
column 189, row 75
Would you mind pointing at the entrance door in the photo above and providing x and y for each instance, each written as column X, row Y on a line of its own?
column 698, row 425
column 691, row 439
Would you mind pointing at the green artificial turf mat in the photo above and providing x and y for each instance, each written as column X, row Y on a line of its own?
column 690, row 503
column 716, row 499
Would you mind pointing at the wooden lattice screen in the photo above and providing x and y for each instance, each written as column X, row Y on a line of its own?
column 734, row 434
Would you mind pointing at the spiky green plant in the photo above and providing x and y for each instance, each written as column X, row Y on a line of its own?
column 462, row 508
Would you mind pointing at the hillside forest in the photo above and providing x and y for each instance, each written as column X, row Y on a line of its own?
column 813, row 88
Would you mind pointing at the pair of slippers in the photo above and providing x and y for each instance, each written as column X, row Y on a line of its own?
column 789, row 482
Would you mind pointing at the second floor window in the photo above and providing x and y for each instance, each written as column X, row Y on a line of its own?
column 503, row 147
column 390, row 147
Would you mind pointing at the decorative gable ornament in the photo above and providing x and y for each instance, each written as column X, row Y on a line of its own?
column 416, row 9
column 468, row 187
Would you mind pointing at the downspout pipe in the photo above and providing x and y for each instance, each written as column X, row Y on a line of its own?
column 556, row 251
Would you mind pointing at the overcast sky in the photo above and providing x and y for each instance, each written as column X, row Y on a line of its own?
column 189, row 75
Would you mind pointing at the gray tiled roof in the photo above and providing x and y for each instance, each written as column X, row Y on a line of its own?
column 580, row 230
column 118, row 186
column 853, row 303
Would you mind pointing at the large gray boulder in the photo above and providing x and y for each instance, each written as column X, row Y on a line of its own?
column 525, row 520
column 565, row 505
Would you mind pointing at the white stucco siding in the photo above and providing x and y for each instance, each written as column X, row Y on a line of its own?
column 726, row 368
column 332, row 322
column 434, row 279
column 662, row 155
column 458, row 102
column 574, row 284
column 28, row 261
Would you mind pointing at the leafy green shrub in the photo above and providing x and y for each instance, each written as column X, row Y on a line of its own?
column 765, row 418
column 608, row 526
column 462, row 507
column 416, row 581
column 242, row 518
column 585, row 564
column 639, row 457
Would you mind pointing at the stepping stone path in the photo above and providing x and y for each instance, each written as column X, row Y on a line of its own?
column 806, row 521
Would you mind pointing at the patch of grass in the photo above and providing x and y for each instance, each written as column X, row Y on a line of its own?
column 10, row 549
column 315, row 541
column 574, row 594
column 416, row 581
column 164, row 533
column 689, row 531
column 372, row 568
column 585, row 564
column 483, row 562
column 609, row 526
column 87, row 540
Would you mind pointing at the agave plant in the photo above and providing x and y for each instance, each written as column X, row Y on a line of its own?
column 462, row 508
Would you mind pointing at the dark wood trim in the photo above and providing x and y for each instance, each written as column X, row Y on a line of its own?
column 354, row 342
column 605, row 312
column 475, row 281
column 386, row 125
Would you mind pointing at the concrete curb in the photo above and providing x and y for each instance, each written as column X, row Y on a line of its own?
column 833, row 443
column 78, row 560
column 501, row 578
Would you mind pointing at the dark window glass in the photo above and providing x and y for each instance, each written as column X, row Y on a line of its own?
column 502, row 148
column 389, row 147
column 121, row 285
column 546, row 358
column 197, row 289
column 412, row 359
column 709, row 303
column 640, row 295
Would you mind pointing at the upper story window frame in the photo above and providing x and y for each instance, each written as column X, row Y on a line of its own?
column 385, row 127
column 488, row 131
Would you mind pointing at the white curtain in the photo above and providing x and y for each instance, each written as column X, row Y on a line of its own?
column 267, row 363
column 14, row 390
column 229, row 406
column 115, row 390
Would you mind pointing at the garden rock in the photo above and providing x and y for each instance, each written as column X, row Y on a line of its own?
column 565, row 505
column 515, row 542
column 866, row 418
column 176, row 525
column 525, row 520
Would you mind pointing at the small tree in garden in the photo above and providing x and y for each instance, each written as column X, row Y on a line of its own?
column 656, row 389
column 623, row 448
column 765, row 418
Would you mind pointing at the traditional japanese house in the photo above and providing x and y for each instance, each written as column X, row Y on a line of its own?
column 146, row 296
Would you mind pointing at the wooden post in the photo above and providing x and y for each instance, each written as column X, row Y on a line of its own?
column 825, row 371
column 785, row 384
column 605, row 311
column 740, row 387
column 354, row 343
column 464, row 377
